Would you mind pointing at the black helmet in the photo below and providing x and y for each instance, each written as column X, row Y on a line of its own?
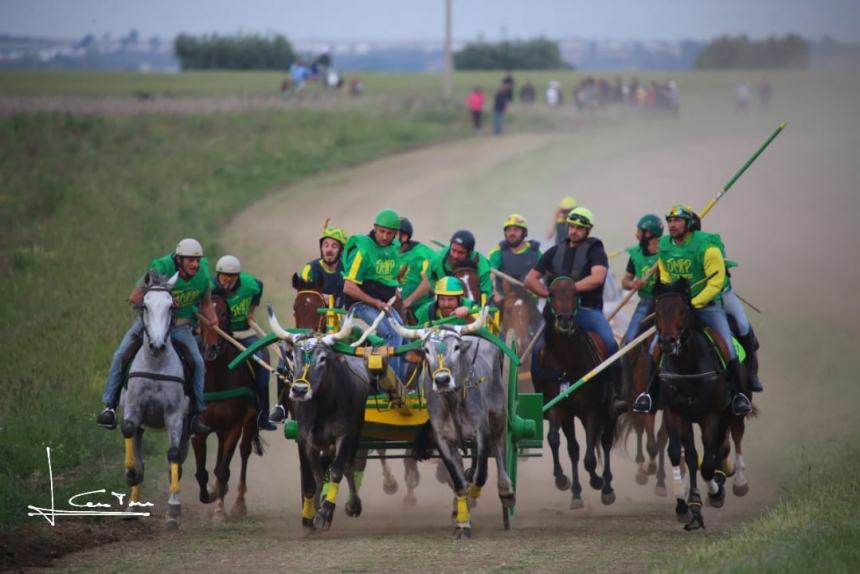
column 406, row 227
column 465, row 239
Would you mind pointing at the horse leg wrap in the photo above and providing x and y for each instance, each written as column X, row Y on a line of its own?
column 129, row 453
column 174, row 478
column 331, row 495
column 308, row 510
column 678, row 484
column 135, row 494
column 463, row 512
column 474, row 491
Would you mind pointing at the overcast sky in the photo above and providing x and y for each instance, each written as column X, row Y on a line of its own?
column 423, row 19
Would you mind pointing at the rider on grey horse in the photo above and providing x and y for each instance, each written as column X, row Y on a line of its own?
column 191, row 289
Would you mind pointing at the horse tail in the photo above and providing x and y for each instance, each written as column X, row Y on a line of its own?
column 623, row 429
column 257, row 442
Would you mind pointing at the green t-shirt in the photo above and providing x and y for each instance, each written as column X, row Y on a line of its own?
column 641, row 264
column 366, row 260
column 440, row 268
column 415, row 261
column 245, row 294
column 187, row 293
column 687, row 260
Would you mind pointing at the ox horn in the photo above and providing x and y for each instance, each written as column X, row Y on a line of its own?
column 406, row 332
column 277, row 329
column 345, row 329
column 474, row 326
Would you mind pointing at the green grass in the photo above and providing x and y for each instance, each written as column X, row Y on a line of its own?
column 814, row 527
column 86, row 202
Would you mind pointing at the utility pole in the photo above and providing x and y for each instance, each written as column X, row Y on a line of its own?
column 446, row 74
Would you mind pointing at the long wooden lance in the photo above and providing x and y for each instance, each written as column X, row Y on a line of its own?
column 710, row 205
column 507, row 277
column 239, row 345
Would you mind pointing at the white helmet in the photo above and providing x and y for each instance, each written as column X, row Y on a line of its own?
column 229, row 265
column 189, row 248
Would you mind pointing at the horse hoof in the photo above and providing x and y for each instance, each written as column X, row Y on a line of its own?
column 174, row 510
column 390, row 487
column 696, row 523
column 652, row 468
column 596, row 483
column 562, row 482
column 681, row 509
column 207, row 497
column 353, row 507
column 660, row 490
column 171, row 524
column 462, row 532
column 576, row 503
column 641, row 478
column 308, row 523
column 410, row 500
column 740, row 489
column 322, row 521
column 239, row 511
column 607, row 498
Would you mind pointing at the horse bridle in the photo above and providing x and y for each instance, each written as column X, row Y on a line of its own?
column 674, row 343
column 553, row 311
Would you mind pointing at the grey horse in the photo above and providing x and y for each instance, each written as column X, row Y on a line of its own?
column 155, row 397
column 467, row 402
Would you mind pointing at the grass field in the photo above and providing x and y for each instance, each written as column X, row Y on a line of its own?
column 87, row 200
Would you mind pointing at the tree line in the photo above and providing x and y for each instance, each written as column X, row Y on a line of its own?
column 739, row 52
column 536, row 54
column 244, row 52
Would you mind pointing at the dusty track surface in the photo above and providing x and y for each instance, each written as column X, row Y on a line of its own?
column 789, row 222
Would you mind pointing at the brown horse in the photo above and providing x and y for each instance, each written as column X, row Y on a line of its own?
column 636, row 369
column 231, row 419
column 309, row 300
column 471, row 282
column 568, row 355
column 520, row 313
column 694, row 390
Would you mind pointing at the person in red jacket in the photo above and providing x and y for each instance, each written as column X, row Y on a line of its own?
column 475, row 103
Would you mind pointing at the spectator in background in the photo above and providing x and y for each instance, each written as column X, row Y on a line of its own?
column 527, row 93
column 500, row 104
column 765, row 93
column 475, row 103
column 509, row 84
column 299, row 73
column 742, row 97
column 553, row 94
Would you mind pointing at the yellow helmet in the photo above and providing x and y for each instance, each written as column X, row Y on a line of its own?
column 516, row 220
column 449, row 286
column 567, row 203
column 335, row 233
column 581, row 216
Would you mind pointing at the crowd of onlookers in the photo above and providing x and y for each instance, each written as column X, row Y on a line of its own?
column 319, row 70
column 743, row 95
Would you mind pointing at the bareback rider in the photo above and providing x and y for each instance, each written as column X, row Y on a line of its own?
column 735, row 310
column 242, row 292
column 414, row 263
column 558, row 229
column 191, row 289
column 514, row 255
column 583, row 258
column 649, row 229
column 372, row 263
column 328, row 267
column 449, row 301
column 697, row 257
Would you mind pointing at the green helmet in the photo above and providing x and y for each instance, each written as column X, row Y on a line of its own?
column 581, row 216
column 449, row 286
column 388, row 218
column 335, row 233
column 652, row 223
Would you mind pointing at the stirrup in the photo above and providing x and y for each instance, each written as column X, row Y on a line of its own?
column 643, row 404
column 263, row 422
column 198, row 426
column 278, row 414
column 107, row 418
column 741, row 405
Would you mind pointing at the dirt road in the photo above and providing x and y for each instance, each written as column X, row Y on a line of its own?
column 789, row 222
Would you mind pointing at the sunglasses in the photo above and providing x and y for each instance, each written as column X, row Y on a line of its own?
column 580, row 220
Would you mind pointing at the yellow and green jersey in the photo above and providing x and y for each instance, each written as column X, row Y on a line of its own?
column 186, row 292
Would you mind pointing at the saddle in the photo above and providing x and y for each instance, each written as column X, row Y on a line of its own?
column 184, row 357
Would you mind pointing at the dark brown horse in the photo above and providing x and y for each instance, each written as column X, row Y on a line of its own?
column 233, row 420
column 520, row 313
column 569, row 354
column 636, row 369
column 471, row 282
column 694, row 390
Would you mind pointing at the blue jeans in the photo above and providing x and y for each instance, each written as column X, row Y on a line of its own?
column 497, row 121
column 593, row 320
column 714, row 316
column 261, row 375
column 368, row 314
column 181, row 335
column 735, row 309
column 644, row 308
